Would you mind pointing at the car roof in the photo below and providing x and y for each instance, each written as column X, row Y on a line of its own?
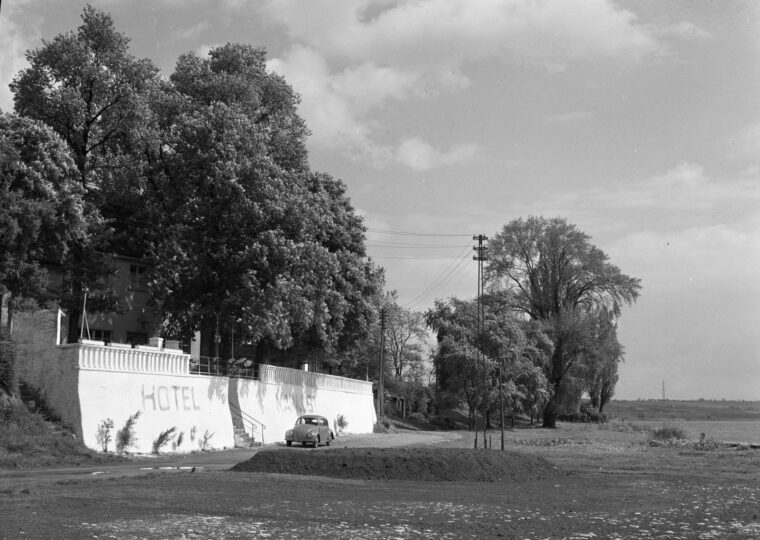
column 312, row 416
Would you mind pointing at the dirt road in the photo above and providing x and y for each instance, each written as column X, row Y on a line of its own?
column 613, row 486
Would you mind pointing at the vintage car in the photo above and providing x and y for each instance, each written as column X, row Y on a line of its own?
column 310, row 429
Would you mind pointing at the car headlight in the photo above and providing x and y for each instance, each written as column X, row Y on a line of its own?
column 311, row 433
column 289, row 434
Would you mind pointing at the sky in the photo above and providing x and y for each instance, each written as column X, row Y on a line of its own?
column 637, row 121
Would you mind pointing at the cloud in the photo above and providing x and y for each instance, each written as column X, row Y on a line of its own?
column 684, row 188
column 421, row 156
column 203, row 50
column 453, row 31
column 351, row 59
column 15, row 39
column 704, row 257
column 190, row 32
column 569, row 117
column 745, row 142
column 680, row 29
column 332, row 117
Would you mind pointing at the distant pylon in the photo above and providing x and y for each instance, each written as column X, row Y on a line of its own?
column 663, row 390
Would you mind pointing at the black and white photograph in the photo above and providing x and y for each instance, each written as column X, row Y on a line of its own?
column 372, row 269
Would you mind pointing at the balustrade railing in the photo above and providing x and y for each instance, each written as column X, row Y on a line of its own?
column 153, row 360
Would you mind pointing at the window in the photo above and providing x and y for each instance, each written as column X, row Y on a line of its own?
column 100, row 335
column 137, row 338
column 138, row 276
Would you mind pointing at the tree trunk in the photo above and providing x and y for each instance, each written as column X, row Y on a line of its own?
column 74, row 330
column 550, row 416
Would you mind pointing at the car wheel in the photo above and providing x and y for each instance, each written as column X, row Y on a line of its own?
column 316, row 441
column 289, row 443
column 327, row 442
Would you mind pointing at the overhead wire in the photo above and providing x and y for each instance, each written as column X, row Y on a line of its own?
column 453, row 268
column 409, row 233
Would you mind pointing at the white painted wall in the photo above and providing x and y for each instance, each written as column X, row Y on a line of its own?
column 281, row 395
column 193, row 404
column 87, row 384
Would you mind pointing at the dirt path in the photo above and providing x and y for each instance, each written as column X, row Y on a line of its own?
column 220, row 460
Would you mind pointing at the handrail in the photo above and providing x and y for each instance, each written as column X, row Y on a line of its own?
column 251, row 420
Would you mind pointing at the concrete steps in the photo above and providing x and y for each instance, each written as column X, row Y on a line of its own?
column 243, row 440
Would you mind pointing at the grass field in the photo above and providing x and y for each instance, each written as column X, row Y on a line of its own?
column 683, row 410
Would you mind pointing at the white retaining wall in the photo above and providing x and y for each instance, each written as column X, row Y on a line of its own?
column 88, row 384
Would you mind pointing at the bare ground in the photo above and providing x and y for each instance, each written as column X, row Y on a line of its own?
column 607, row 484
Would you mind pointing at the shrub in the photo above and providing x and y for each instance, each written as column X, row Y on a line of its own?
column 586, row 413
column 164, row 438
column 668, row 432
column 103, row 435
column 125, row 437
column 383, row 426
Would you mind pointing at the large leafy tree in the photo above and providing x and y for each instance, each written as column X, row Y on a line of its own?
column 88, row 88
column 558, row 278
column 41, row 213
column 253, row 242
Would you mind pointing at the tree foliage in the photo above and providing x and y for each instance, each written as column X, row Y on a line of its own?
column 88, row 88
column 480, row 369
column 558, row 278
column 252, row 240
column 405, row 332
column 41, row 213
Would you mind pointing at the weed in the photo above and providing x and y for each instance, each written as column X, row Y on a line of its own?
column 193, row 430
column 341, row 422
column 180, row 438
column 625, row 425
column 203, row 443
column 103, row 435
column 164, row 438
column 668, row 432
column 707, row 443
column 125, row 437
column 383, row 426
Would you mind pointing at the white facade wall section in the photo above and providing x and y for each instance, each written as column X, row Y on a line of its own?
column 195, row 405
column 281, row 395
column 87, row 384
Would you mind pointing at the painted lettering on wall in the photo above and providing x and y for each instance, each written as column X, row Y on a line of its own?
column 164, row 398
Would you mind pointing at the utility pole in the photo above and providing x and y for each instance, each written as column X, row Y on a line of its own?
column 480, row 249
column 381, row 377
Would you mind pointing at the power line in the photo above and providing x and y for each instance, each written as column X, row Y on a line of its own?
column 458, row 246
column 447, row 273
column 408, row 233
column 413, row 258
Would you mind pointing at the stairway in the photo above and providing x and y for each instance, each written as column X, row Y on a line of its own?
column 243, row 440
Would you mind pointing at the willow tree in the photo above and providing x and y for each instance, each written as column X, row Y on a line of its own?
column 558, row 278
